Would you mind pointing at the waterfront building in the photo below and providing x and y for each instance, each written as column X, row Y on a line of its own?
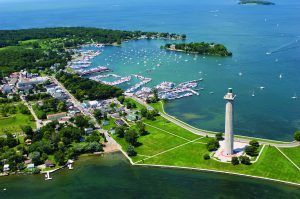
column 229, row 97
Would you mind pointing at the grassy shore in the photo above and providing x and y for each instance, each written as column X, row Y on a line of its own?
column 170, row 145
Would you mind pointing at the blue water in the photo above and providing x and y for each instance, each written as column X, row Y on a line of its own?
column 248, row 31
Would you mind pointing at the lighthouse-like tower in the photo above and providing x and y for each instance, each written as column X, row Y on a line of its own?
column 229, row 97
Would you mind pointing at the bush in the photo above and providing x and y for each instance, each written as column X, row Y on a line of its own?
column 212, row 145
column 251, row 150
column 297, row 136
column 206, row 157
column 130, row 151
column 245, row 160
column 219, row 136
column 235, row 161
column 254, row 143
column 36, row 171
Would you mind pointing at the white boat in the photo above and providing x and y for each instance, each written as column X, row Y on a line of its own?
column 262, row 88
column 280, row 76
column 294, row 97
column 253, row 94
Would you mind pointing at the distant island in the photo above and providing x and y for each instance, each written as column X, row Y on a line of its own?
column 199, row 48
column 257, row 2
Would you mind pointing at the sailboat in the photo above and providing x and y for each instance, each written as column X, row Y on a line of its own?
column 253, row 94
column 280, row 76
column 294, row 97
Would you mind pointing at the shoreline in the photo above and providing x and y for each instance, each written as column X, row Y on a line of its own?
column 237, row 136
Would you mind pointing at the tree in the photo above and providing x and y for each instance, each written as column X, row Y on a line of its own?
column 59, row 157
column 212, row 145
column 297, row 136
column 235, row 161
column 121, row 99
column 120, row 131
column 130, row 150
column 254, row 143
column 28, row 131
column 155, row 94
column 35, row 157
column 11, row 141
column 245, row 160
column 97, row 114
column 94, row 137
column 251, row 150
column 206, row 156
column 141, row 127
column 81, row 121
column 144, row 112
column 219, row 136
column 131, row 137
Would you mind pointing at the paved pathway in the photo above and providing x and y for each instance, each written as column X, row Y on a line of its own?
column 38, row 122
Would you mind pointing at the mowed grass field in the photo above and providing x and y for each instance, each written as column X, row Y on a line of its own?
column 14, row 122
column 170, row 145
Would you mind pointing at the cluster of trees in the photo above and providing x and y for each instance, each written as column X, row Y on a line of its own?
column 37, row 96
column 297, row 136
column 50, row 106
column 212, row 144
column 242, row 159
column 47, row 45
column 62, row 141
column 4, row 99
column 127, row 102
column 10, row 109
column 252, row 149
column 153, row 99
column 149, row 114
column 78, row 35
column 85, row 89
column 16, row 58
column 202, row 48
column 131, row 136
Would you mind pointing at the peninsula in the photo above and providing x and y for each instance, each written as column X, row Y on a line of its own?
column 199, row 48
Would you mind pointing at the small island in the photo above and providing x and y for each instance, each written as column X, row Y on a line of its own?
column 256, row 2
column 200, row 48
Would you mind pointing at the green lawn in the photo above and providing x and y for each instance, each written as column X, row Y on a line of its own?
column 169, row 144
column 166, row 125
column 13, row 123
column 293, row 154
column 191, row 155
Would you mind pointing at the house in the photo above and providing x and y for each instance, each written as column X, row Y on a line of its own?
column 6, row 89
column 105, row 122
column 30, row 166
column 172, row 47
column 6, row 167
column 28, row 141
column 49, row 164
column 133, row 117
column 88, row 130
column 56, row 116
column 27, row 161
column 64, row 120
column 119, row 122
column 93, row 104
